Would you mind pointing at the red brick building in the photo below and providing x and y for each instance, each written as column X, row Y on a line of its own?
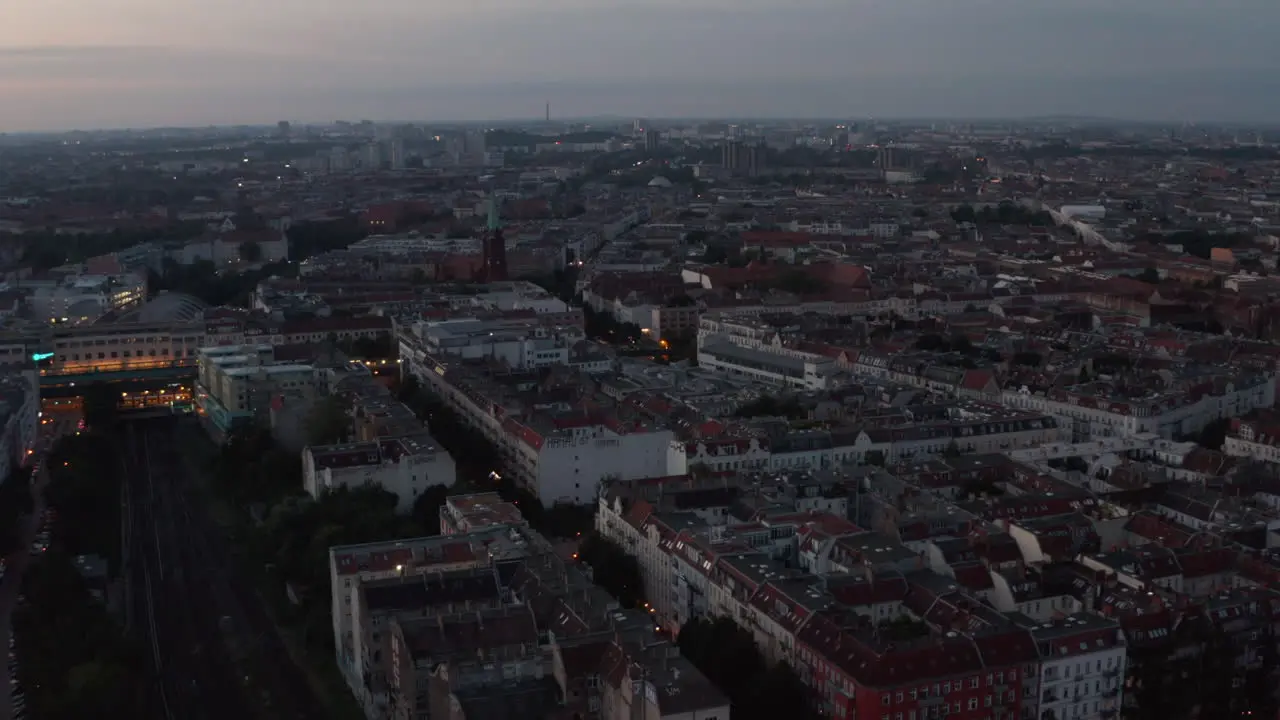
column 860, row 672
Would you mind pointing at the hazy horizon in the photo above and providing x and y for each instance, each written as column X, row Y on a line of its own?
column 146, row 63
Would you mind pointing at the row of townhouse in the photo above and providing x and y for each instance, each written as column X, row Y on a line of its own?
column 968, row 427
column 1096, row 411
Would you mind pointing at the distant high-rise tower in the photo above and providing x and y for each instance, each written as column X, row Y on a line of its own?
column 494, row 247
column 396, row 154
column 548, row 112
column 652, row 140
column 740, row 158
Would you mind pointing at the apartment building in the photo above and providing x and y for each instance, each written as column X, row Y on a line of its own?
column 1255, row 436
column 239, row 384
column 877, row 625
column 405, row 466
column 411, row 560
column 924, row 432
column 1082, row 667
column 381, row 604
column 462, row 514
column 434, row 659
column 859, row 672
column 560, row 451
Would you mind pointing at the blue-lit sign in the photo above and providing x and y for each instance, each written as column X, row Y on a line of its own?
column 41, row 356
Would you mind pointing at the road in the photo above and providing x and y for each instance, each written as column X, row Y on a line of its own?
column 9, row 588
column 57, row 425
column 188, row 603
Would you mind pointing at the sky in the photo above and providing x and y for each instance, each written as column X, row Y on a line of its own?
column 68, row 64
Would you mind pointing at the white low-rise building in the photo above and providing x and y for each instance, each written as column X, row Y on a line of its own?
column 782, row 368
column 520, row 344
column 83, row 298
column 404, row 466
column 1254, row 438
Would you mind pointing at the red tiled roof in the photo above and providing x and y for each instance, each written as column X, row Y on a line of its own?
column 973, row 576
column 1209, row 562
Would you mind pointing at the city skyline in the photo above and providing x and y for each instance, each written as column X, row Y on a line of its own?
column 135, row 63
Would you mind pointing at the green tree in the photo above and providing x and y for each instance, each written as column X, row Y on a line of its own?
column 613, row 569
column 964, row 214
column 1028, row 358
column 715, row 254
column 15, row 502
column 1214, row 434
column 84, row 484
column 426, row 508
column 250, row 469
column 728, row 656
column 250, row 251
column 100, row 407
column 76, row 662
column 771, row 406
column 328, row 422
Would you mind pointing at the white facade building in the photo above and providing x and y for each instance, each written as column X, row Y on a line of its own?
column 567, row 465
column 782, row 368
column 1082, row 667
column 125, row 346
column 520, row 344
column 83, row 298
column 1168, row 414
column 404, row 466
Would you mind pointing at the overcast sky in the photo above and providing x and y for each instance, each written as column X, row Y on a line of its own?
column 115, row 63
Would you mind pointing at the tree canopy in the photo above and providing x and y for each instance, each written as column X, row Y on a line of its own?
column 772, row 406
column 728, row 656
column 613, row 569
column 250, row 251
column 100, row 406
column 328, row 422
column 1005, row 213
column 15, row 503
column 251, row 469
column 203, row 280
column 76, row 662
column 85, row 478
